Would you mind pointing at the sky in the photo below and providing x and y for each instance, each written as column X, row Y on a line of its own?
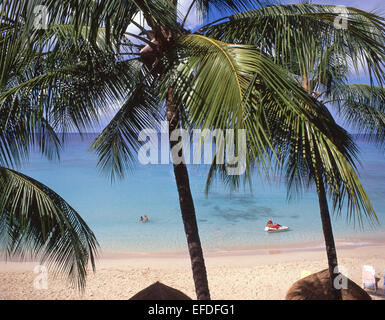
column 377, row 6
column 193, row 22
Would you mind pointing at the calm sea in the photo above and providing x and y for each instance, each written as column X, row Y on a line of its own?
column 226, row 220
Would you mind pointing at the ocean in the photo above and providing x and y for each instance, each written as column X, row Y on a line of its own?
column 226, row 220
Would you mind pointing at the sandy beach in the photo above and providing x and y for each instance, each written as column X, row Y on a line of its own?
column 241, row 275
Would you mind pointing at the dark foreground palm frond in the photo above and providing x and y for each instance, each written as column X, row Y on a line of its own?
column 36, row 222
column 23, row 128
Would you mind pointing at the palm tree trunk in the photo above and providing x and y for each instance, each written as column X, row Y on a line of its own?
column 329, row 239
column 331, row 251
column 188, row 210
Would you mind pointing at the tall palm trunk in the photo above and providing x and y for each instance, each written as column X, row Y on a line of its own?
column 188, row 210
column 163, row 40
column 331, row 251
column 329, row 238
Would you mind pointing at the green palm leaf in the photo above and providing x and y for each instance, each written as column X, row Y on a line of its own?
column 22, row 129
column 117, row 144
column 224, row 6
column 363, row 108
column 308, row 31
column 235, row 86
column 36, row 221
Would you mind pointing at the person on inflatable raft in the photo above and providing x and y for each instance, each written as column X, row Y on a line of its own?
column 271, row 225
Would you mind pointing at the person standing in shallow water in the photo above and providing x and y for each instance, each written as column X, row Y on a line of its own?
column 146, row 218
column 141, row 219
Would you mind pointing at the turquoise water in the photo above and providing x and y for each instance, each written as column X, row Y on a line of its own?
column 226, row 221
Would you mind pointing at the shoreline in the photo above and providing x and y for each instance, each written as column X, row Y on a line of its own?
column 237, row 276
column 311, row 246
column 341, row 244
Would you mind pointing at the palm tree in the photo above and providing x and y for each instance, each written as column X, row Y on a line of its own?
column 320, row 54
column 87, row 59
column 34, row 220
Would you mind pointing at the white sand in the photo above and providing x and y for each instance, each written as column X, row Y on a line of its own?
column 232, row 275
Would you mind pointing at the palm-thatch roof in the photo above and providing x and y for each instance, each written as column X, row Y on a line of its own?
column 317, row 287
column 159, row 291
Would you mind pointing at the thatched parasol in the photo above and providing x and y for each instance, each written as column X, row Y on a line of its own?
column 159, row 291
column 317, row 287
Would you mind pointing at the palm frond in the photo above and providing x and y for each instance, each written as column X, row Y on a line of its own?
column 118, row 143
column 229, row 86
column 308, row 31
column 363, row 109
column 22, row 129
column 204, row 7
column 35, row 221
column 115, row 15
column 72, row 95
column 307, row 153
